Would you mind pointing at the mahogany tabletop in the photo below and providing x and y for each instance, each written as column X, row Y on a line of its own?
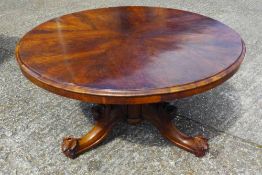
column 130, row 55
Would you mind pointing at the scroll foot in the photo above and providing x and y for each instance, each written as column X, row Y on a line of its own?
column 158, row 116
column 69, row 147
column 200, row 145
column 106, row 118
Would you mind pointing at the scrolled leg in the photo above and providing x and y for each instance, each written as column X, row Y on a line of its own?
column 158, row 116
column 106, row 117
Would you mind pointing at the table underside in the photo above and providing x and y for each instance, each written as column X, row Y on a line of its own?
column 159, row 114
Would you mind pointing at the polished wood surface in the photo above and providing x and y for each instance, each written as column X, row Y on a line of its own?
column 130, row 55
column 106, row 118
column 158, row 114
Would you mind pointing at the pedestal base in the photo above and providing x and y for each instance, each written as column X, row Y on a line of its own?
column 160, row 115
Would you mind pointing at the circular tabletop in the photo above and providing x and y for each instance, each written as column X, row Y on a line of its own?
column 130, row 55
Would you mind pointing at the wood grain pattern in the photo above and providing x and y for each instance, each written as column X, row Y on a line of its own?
column 158, row 114
column 130, row 55
column 106, row 118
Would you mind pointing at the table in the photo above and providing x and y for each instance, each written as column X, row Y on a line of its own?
column 131, row 61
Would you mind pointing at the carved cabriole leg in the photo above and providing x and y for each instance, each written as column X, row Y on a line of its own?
column 158, row 116
column 106, row 117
